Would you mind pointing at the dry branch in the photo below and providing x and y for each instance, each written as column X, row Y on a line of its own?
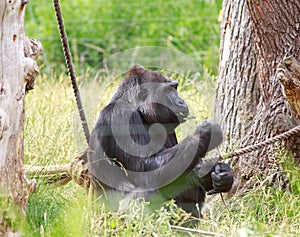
column 288, row 73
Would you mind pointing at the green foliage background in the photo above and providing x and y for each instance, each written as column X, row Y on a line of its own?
column 97, row 29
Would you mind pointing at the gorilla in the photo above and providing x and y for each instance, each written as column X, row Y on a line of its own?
column 133, row 149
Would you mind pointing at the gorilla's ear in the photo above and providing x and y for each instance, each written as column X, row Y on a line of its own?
column 134, row 75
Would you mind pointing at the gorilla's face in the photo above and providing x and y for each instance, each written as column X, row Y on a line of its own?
column 160, row 103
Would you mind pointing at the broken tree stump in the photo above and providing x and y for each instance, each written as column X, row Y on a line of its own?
column 288, row 74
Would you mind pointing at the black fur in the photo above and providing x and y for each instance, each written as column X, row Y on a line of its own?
column 124, row 133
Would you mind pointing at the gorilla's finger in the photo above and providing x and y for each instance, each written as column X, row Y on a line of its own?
column 222, row 167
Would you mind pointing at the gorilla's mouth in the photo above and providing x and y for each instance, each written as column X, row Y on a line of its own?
column 182, row 115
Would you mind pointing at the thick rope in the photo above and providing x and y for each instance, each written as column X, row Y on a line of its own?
column 60, row 175
column 77, row 170
column 248, row 149
column 69, row 62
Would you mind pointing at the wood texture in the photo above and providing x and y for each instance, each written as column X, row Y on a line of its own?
column 17, row 68
column 253, row 107
column 237, row 92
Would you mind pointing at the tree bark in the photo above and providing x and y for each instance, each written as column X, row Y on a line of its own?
column 237, row 92
column 255, row 37
column 17, row 68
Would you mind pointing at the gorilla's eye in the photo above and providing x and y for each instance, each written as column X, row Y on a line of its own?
column 170, row 90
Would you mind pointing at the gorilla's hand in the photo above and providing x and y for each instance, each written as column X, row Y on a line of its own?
column 210, row 134
column 222, row 178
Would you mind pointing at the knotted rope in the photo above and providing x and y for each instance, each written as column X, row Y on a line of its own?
column 60, row 175
column 260, row 145
column 77, row 170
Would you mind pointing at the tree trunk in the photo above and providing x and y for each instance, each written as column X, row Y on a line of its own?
column 237, row 92
column 17, row 68
column 255, row 37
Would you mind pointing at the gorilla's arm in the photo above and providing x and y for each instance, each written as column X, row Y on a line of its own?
column 207, row 137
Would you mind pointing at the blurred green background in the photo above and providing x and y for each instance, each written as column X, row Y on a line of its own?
column 97, row 29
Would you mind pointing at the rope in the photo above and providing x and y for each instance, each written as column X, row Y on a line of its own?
column 69, row 62
column 60, row 175
column 248, row 149
column 77, row 170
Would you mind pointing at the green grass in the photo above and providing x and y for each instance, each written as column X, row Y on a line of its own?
column 63, row 211
column 99, row 29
